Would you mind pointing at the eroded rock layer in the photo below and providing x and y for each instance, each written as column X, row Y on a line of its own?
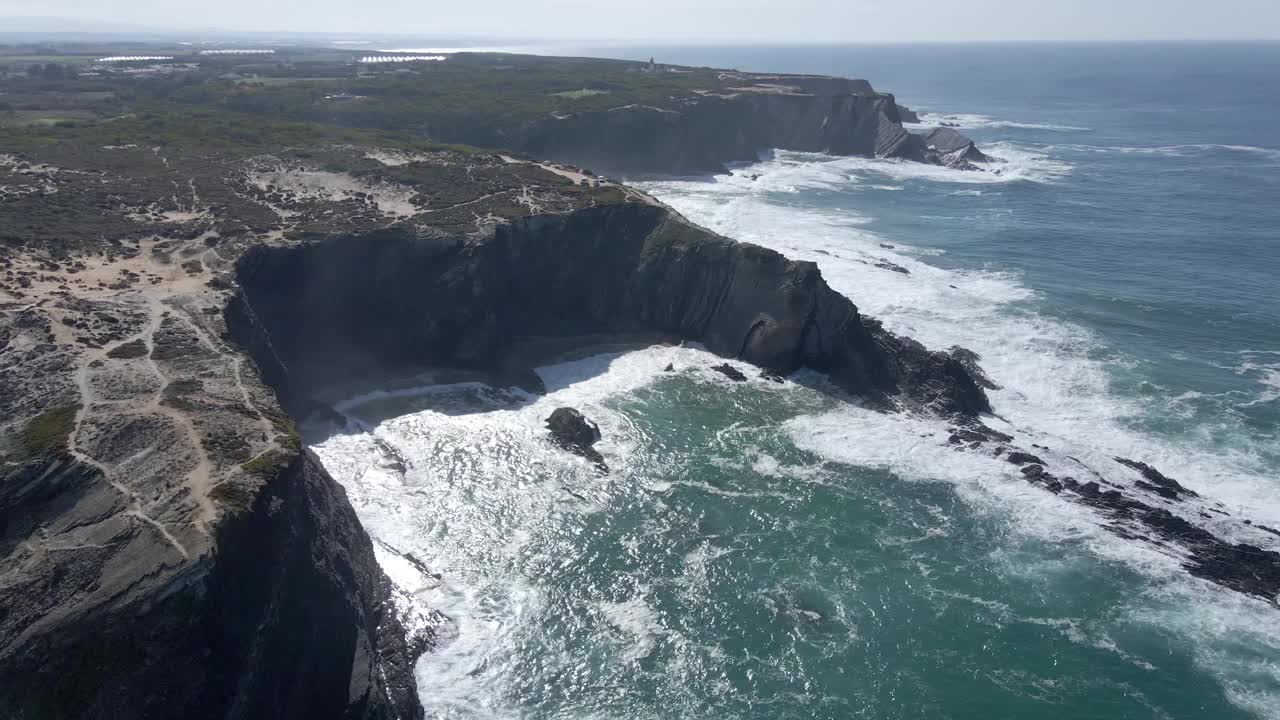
column 367, row 303
column 746, row 116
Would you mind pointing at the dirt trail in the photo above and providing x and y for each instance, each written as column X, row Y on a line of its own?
column 153, row 278
column 237, row 368
column 579, row 177
column 73, row 448
column 200, row 479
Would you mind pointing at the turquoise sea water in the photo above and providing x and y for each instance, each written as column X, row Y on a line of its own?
column 765, row 551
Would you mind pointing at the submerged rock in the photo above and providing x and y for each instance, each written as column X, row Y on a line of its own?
column 772, row 377
column 886, row 265
column 1243, row 567
column 570, row 428
column 1022, row 458
column 1157, row 482
column 730, row 372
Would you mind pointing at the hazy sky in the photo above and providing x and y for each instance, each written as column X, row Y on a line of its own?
column 723, row 20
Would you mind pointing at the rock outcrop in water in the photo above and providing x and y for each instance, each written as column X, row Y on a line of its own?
column 945, row 146
column 731, row 372
column 572, row 431
column 1135, row 513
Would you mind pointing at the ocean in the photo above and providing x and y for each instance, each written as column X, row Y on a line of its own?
column 769, row 551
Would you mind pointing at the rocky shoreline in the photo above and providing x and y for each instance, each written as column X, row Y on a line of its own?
column 641, row 268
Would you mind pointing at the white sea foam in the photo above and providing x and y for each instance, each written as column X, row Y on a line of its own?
column 1264, row 366
column 1191, row 150
column 794, row 172
column 1052, row 387
column 1056, row 394
column 489, row 486
column 638, row 624
column 973, row 122
column 470, row 492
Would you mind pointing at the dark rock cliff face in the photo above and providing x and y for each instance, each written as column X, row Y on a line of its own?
column 908, row 115
column 952, row 149
column 290, row 618
column 352, row 304
column 704, row 134
column 700, row 134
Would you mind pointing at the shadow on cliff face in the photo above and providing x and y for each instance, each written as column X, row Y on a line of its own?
column 325, row 311
column 703, row 135
column 357, row 406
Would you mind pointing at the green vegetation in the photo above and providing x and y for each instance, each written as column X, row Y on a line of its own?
column 306, row 96
column 42, row 58
column 288, row 437
column 206, row 130
column 56, row 118
column 611, row 195
column 236, row 496
column 46, row 433
column 447, row 97
column 267, row 466
column 193, row 121
column 128, row 351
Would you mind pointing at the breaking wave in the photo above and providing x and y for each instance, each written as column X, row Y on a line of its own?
column 698, row 578
column 793, row 172
column 967, row 121
column 1186, row 151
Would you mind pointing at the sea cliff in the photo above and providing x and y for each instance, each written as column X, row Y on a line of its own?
column 339, row 305
column 737, row 121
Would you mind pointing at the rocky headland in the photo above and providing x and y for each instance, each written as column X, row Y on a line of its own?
column 735, row 118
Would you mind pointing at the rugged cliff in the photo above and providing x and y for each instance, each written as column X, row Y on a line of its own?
column 735, row 120
column 347, row 304
column 167, row 549
column 290, row 617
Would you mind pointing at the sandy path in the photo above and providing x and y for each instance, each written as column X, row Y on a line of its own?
column 199, row 480
column 135, row 505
